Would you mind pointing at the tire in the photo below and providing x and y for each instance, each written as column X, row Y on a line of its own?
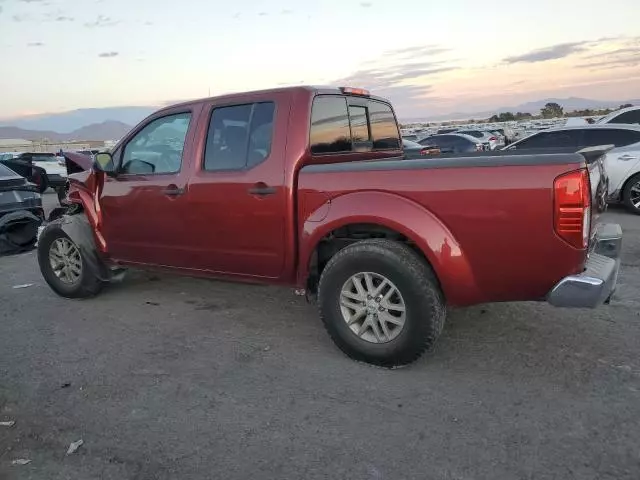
column 631, row 194
column 40, row 178
column 418, row 290
column 87, row 283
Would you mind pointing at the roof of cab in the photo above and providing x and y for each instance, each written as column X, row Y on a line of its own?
column 318, row 90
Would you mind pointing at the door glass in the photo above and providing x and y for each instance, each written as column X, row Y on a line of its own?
column 157, row 148
column 239, row 136
column 609, row 136
column 632, row 117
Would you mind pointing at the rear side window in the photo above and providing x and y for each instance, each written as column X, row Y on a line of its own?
column 384, row 128
column 330, row 131
column 619, row 138
column 337, row 126
column 632, row 117
column 239, row 136
column 568, row 138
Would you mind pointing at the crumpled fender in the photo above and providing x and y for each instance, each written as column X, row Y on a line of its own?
column 404, row 216
column 9, row 243
column 80, row 231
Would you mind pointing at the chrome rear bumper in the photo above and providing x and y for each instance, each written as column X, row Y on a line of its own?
column 596, row 284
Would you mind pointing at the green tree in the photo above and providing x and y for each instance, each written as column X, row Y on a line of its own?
column 552, row 110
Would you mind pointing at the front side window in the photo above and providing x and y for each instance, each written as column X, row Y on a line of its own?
column 157, row 148
column 239, row 136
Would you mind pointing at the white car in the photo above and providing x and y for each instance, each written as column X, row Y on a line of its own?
column 622, row 163
column 629, row 115
column 486, row 138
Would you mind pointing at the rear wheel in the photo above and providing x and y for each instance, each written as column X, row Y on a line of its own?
column 41, row 180
column 381, row 303
column 64, row 267
column 631, row 194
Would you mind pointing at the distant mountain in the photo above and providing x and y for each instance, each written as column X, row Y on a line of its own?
column 68, row 122
column 109, row 130
column 569, row 104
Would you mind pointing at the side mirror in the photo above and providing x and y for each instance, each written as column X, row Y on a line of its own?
column 103, row 162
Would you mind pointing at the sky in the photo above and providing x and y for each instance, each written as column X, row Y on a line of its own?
column 427, row 57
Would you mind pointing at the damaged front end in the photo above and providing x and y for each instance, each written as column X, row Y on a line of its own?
column 21, row 212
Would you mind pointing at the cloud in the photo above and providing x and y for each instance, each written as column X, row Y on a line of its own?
column 263, row 14
column 422, row 50
column 21, row 18
column 286, row 12
column 554, row 52
column 366, row 4
column 102, row 21
column 627, row 54
column 35, row 44
column 31, row 1
column 64, row 18
column 108, row 54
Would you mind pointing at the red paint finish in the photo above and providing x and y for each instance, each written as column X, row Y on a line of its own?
column 487, row 231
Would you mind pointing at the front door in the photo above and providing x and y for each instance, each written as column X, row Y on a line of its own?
column 143, row 207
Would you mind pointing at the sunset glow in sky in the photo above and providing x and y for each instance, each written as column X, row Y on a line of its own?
column 440, row 57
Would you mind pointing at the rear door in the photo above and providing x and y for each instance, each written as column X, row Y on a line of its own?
column 236, row 216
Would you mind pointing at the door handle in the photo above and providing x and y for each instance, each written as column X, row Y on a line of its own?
column 173, row 191
column 627, row 157
column 262, row 190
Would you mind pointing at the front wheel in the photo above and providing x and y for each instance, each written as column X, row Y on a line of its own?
column 631, row 194
column 64, row 267
column 381, row 303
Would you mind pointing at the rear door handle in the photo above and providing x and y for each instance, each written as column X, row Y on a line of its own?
column 173, row 191
column 262, row 190
column 627, row 158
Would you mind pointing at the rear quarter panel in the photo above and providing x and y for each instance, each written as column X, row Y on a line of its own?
column 487, row 231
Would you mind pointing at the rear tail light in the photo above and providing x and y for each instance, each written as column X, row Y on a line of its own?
column 493, row 139
column 355, row 91
column 572, row 207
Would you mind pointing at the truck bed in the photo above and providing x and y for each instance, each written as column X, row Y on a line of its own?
column 495, row 208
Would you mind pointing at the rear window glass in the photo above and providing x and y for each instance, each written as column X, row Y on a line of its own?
column 330, row 131
column 384, row 128
column 359, row 124
column 619, row 138
column 632, row 117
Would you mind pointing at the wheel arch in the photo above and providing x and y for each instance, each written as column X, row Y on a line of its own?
column 365, row 215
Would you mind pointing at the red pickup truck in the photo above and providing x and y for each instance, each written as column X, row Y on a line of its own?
column 307, row 187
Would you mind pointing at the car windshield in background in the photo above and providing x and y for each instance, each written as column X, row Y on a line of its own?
column 43, row 158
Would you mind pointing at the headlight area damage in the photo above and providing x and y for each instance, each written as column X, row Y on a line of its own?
column 21, row 213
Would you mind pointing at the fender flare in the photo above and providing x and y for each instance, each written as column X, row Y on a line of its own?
column 419, row 225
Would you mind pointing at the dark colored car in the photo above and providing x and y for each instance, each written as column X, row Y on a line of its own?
column 41, row 169
column 415, row 150
column 20, row 212
column 453, row 143
column 442, row 131
column 305, row 187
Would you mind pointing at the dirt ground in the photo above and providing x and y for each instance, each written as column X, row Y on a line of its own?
column 173, row 378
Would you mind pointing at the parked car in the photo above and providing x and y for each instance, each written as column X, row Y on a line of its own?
column 442, row 131
column 415, row 150
column 304, row 187
column 622, row 163
column 42, row 169
column 20, row 212
column 489, row 140
column 453, row 143
column 629, row 115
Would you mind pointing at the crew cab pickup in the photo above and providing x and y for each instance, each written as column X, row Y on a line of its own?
column 307, row 187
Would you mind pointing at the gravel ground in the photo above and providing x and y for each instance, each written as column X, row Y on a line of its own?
column 174, row 378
